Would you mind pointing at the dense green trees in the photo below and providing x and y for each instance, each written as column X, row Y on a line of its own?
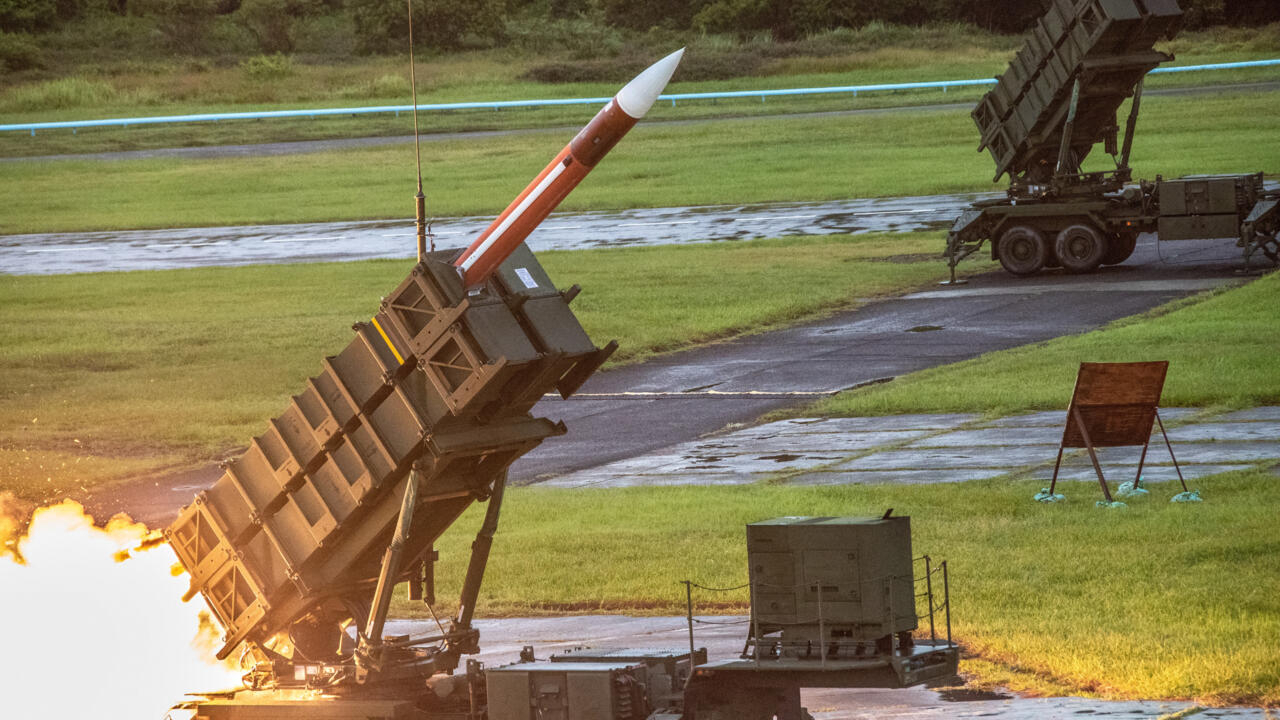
column 271, row 22
column 791, row 18
column 442, row 24
column 27, row 15
column 380, row 25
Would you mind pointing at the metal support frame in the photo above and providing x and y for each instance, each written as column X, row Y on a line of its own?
column 1131, row 126
column 1169, row 445
column 479, row 557
column 928, row 584
column 1064, row 150
column 369, row 652
column 688, row 600
column 1093, row 455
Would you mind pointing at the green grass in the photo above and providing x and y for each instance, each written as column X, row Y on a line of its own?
column 1220, row 348
column 181, row 365
column 571, row 117
column 134, row 86
column 1154, row 601
column 731, row 161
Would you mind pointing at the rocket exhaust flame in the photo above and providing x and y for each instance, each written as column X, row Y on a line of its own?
column 94, row 625
column 564, row 173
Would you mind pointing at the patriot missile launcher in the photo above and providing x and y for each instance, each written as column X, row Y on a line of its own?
column 1055, row 104
column 297, row 547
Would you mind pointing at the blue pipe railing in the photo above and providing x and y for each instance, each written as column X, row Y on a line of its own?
column 500, row 104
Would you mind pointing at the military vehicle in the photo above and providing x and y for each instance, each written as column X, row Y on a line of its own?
column 297, row 547
column 1056, row 102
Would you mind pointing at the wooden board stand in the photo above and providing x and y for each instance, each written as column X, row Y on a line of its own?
column 1115, row 405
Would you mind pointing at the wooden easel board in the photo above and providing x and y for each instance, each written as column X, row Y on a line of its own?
column 1117, row 403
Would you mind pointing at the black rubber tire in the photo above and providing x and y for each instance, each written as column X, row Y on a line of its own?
column 1120, row 248
column 1023, row 250
column 1080, row 248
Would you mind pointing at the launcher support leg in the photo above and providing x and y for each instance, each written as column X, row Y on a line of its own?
column 1064, row 152
column 1131, row 125
column 368, row 655
column 1171, row 457
column 479, row 558
column 1093, row 455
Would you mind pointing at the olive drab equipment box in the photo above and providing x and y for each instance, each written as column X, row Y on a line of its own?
column 856, row 574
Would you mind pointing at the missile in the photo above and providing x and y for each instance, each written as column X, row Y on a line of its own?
column 564, row 173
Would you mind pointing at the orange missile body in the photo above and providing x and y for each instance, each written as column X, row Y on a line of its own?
column 564, row 173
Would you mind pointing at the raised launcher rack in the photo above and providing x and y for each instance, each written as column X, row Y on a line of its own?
column 289, row 544
column 1061, row 93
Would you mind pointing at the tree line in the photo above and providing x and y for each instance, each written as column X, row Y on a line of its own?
column 447, row 24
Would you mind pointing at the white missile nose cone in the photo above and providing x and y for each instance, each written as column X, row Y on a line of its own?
column 638, row 96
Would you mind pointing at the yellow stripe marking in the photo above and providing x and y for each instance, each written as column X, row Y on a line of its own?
column 386, row 339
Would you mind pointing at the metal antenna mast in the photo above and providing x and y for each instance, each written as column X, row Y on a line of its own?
column 420, row 200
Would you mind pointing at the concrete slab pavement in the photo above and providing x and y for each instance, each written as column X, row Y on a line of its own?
column 914, row 449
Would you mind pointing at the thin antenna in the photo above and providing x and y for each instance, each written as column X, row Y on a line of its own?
column 420, row 200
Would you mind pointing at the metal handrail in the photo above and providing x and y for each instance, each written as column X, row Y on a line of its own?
column 502, row 104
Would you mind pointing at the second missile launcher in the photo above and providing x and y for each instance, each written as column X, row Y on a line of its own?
column 1055, row 104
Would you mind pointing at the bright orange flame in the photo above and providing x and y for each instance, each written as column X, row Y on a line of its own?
column 93, row 626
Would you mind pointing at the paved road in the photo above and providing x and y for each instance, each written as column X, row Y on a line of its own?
column 56, row 253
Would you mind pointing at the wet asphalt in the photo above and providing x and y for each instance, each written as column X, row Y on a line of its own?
column 58, row 253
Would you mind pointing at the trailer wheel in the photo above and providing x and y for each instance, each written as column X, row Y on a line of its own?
column 1080, row 248
column 1120, row 247
column 1023, row 250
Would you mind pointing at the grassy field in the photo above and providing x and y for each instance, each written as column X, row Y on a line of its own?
column 433, row 123
column 141, row 81
column 108, row 376
column 1156, row 601
column 729, row 161
column 1221, row 351
column 79, row 98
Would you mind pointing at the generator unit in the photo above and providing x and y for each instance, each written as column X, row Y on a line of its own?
column 843, row 584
